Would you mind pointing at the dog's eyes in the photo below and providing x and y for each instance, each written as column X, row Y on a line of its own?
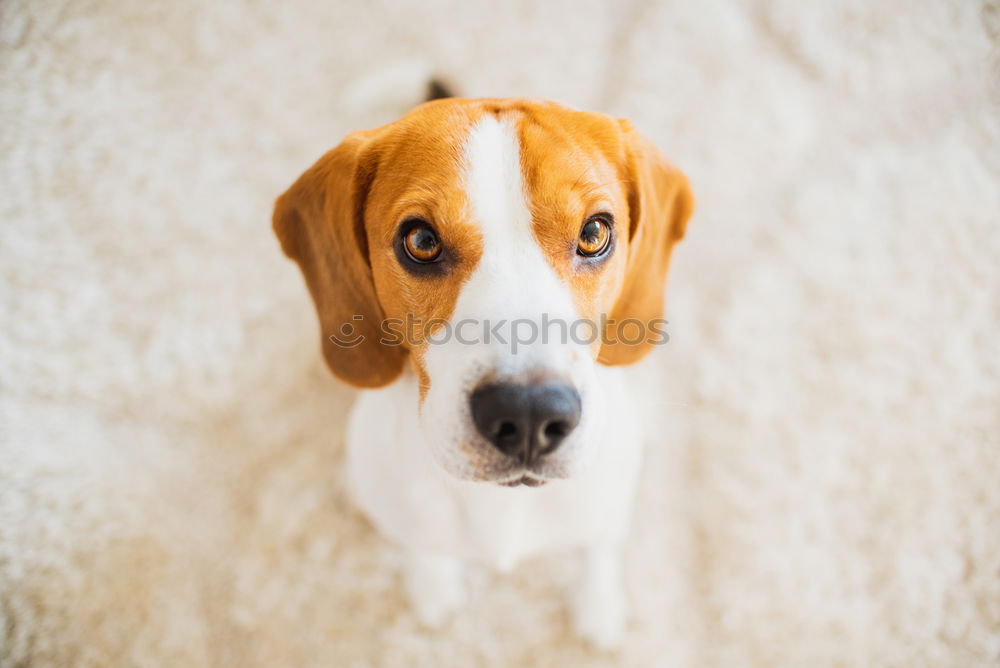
column 421, row 243
column 595, row 236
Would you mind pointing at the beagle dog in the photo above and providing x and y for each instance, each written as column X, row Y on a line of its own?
column 485, row 270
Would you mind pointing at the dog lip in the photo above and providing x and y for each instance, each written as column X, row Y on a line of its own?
column 524, row 480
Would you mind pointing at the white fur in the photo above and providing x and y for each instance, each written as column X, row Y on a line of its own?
column 513, row 282
column 405, row 458
column 435, row 516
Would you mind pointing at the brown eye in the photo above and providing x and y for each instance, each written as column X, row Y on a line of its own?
column 594, row 237
column 422, row 244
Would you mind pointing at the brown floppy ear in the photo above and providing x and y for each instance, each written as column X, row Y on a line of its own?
column 320, row 223
column 660, row 203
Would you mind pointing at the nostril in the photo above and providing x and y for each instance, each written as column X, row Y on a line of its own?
column 506, row 431
column 553, row 434
column 556, row 429
column 508, row 438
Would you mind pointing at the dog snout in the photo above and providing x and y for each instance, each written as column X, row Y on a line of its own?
column 525, row 421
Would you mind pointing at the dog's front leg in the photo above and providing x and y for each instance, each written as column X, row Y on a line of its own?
column 435, row 584
column 599, row 605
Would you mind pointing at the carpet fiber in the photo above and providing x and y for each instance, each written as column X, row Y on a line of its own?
column 824, row 484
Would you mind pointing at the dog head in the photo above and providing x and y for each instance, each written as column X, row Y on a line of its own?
column 503, row 248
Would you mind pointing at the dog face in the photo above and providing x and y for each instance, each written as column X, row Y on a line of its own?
column 502, row 248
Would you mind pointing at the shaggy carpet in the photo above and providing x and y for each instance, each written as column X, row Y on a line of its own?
column 824, row 484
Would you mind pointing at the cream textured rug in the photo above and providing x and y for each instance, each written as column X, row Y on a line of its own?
column 824, row 488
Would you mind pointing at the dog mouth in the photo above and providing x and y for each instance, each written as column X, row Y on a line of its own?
column 526, row 479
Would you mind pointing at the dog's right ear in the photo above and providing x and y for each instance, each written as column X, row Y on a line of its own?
column 320, row 223
column 660, row 203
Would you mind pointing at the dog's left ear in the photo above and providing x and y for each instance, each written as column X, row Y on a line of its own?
column 320, row 223
column 660, row 203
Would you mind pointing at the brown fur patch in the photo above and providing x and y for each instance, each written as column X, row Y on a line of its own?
column 572, row 168
column 577, row 164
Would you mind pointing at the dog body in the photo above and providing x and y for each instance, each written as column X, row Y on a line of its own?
column 458, row 259
column 444, row 522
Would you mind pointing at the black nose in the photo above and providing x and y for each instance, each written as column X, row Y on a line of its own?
column 525, row 421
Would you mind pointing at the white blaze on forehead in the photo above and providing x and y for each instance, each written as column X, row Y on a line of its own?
column 513, row 278
column 495, row 186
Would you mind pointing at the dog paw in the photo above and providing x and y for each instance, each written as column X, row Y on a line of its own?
column 599, row 606
column 600, row 619
column 436, row 588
